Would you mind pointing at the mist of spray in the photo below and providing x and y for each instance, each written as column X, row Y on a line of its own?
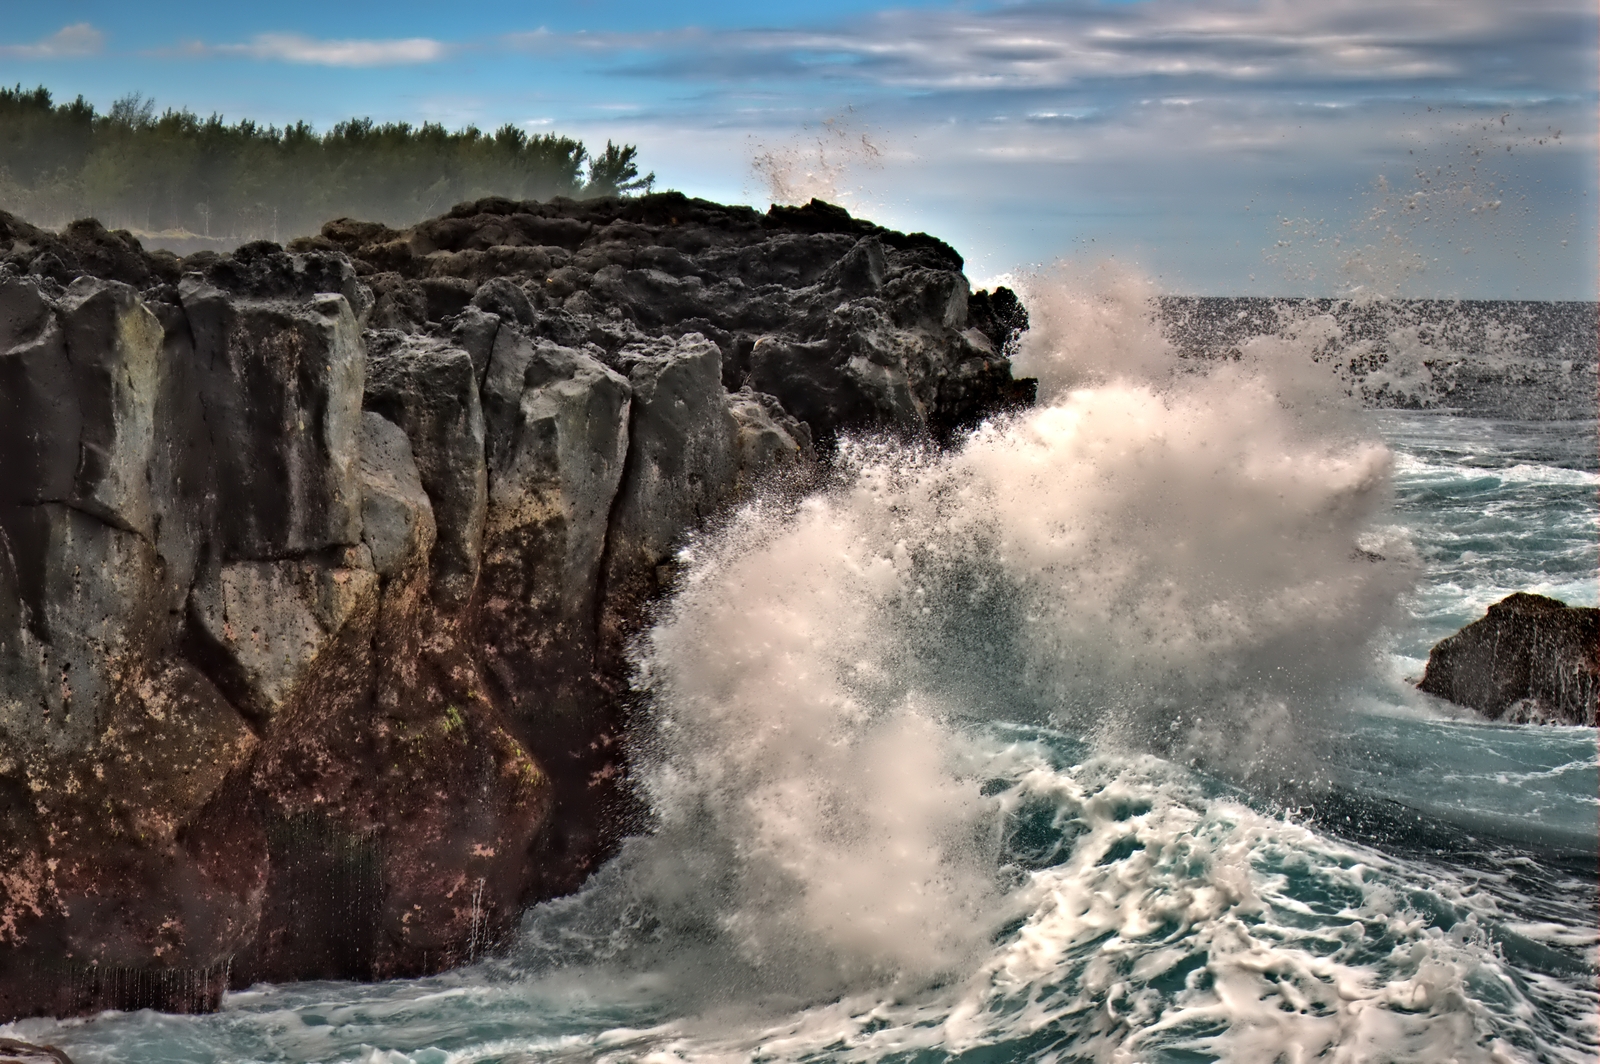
column 825, row 163
column 1160, row 555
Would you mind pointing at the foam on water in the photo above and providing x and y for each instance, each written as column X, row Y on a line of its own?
column 1060, row 746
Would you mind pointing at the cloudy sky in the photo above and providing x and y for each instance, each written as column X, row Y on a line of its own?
column 1275, row 146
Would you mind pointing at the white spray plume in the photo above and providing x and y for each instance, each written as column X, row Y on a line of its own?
column 1161, row 554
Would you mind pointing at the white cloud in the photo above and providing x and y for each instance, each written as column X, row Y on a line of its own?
column 1038, row 45
column 298, row 48
column 69, row 42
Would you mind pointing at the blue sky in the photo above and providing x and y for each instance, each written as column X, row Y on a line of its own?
column 1278, row 146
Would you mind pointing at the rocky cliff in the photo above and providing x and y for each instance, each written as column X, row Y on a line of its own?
column 317, row 565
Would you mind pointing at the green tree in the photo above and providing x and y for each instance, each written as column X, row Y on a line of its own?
column 175, row 171
column 614, row 172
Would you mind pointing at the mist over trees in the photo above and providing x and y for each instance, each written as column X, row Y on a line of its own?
column 180, row 175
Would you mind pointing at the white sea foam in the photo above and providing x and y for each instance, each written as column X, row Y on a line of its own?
column 1411, row 467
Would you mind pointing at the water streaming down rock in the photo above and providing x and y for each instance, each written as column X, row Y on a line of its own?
column 1530, row 658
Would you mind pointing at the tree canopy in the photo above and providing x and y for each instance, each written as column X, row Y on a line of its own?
column 151, row 172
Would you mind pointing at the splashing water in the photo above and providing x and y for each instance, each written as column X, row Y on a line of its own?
column 1057, row 746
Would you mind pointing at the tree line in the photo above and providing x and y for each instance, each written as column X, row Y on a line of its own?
column 175, row 172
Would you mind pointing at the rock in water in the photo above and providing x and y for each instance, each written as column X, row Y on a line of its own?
column 318, row 568
column 15, row 1051
column 1530, row 660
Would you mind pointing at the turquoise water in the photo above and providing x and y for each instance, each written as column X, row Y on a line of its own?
column 1407, row 885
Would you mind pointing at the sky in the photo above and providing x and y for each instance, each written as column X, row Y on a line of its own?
column 1274, row 147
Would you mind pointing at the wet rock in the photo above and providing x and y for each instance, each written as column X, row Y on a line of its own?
column 274, row 620
column 558, row 440
column 999, row 317
column 1530, row 660
column 16, row 1051
column 767, row 439
column 832, row 389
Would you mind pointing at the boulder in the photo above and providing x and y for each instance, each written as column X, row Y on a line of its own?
column 1529, row 660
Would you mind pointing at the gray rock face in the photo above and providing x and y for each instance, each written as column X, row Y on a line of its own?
column 683, row 459
column 317, row 568
column 396, row 517
column 114, row 345
column 281, row 385
column 94, row 365
column 89, row 606
column 1530, row 660
column 429, row 387
column 558, row 441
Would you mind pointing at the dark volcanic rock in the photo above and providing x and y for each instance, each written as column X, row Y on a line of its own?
column 317, row 567
column 1530, row 660
column 849, row 325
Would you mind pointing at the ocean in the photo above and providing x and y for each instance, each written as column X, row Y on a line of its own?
column 1093, row 739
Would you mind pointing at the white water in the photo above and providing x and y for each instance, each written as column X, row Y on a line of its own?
column 1039, row 750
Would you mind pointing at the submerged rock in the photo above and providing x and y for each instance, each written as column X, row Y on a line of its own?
column 16, row 1051
column 317, row 567
column 1530, row 660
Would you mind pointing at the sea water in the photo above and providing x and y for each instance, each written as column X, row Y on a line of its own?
column 1093, row 740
